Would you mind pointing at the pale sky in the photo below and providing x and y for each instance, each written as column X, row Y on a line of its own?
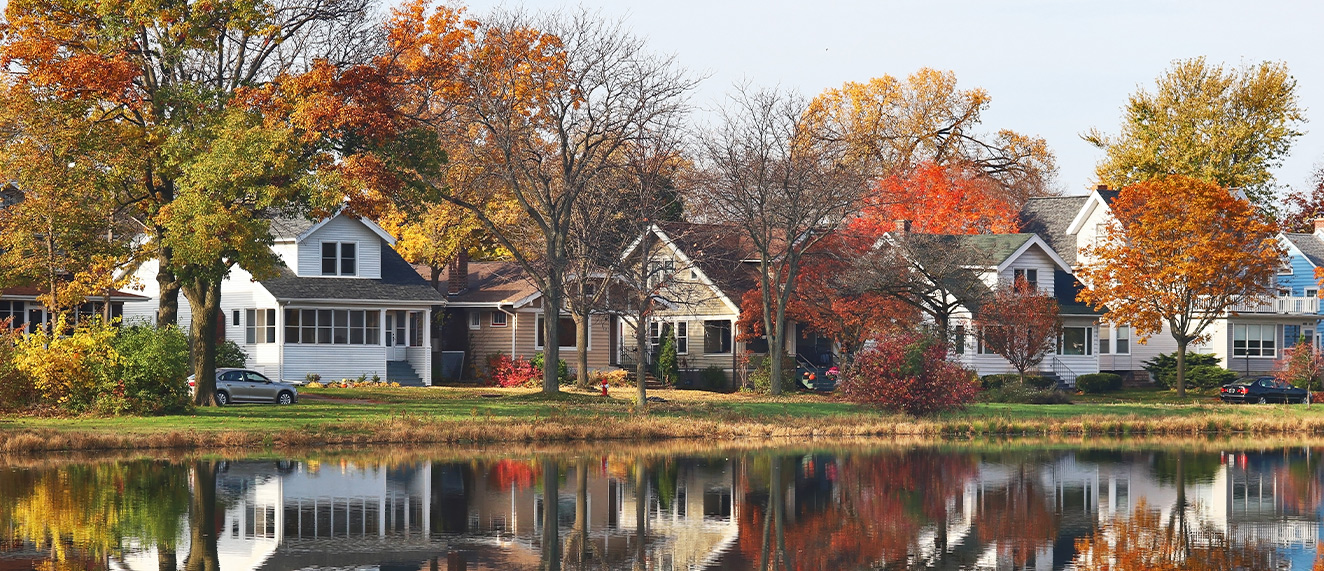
column 1054, row 68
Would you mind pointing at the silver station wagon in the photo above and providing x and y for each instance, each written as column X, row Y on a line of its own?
column 244, row 385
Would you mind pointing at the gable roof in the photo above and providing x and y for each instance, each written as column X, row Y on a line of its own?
column 399, row 282
column 1098, row 198
column 1310, row 246
column 1049, row 217
column 719, row 251
column 491, row 284
column 296, row 228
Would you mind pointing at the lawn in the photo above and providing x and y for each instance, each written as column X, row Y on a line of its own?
column 336, row 416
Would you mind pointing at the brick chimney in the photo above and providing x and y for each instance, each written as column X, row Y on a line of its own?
column 1319, row 225
column 902, row 226
column 1101, row 187
column 457, row 278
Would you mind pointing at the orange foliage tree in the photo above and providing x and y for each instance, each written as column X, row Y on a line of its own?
column 1019, row 323
column 938, row 199
column 1180, row 252
column 1144, row 541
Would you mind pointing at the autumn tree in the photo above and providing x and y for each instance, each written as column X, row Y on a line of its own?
column 552, row 102
column 933, row 273
column 1019, row 323
column 937, row 199
column 784, row 186
column 1304, row 206
column 892, row 126
column 1230, row 127
column 1181, row 252
column 1301, row 364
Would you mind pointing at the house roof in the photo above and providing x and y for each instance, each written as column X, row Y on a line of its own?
column 1309, row 244
column 491, row 283
column 719, row 251
column 985, row 249
column 289, row 228
column 1049, row 217
column 399, row 282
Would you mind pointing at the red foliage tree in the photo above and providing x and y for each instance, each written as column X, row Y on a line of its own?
column 1020, row 324
column 1304, row 206
column 1300, row 364
column 938, row 199
column 909, row 372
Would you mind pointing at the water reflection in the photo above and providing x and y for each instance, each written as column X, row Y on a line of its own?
column 850, row 508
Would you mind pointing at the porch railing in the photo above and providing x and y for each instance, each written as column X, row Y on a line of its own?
column 1283, row 305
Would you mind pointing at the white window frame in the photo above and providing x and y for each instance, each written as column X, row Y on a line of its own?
column 475, row 320
column 730, row 333
column 504, row 319
column 1089, row 343
column 537, row 324
column 259, row 326
column 1241, row 333
column 372, row 325
column 682, row 329
column 1018, row 274
column 340, row 258
column 1312, row 292
column 1117, row 339
column 1105, row 339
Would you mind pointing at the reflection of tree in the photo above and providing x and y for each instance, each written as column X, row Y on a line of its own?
column 551, row 543
column 86, row 511
column 203, row 519
column 579, row 552
column 1017, row 517
column 1144, row 541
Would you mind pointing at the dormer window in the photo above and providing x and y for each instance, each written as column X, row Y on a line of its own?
column 339, row 258
column 1026, row 276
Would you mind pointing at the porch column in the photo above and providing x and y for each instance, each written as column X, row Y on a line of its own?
column 427, row 346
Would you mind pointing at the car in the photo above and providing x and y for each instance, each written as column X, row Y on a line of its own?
column 246, row 385
column 1262, row 390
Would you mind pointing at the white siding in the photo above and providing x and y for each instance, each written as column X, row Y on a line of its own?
column 421, row 359
column 1088, row 234
column 342, row 229
column 333, row 362
column 288, row 252
column 1033, row 258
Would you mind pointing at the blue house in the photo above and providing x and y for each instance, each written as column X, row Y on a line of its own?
column 1296, row 280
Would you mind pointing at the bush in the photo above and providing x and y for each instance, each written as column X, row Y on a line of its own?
column 1099, row 383
column 998, row 381
column 1040, row 382
column 230, row 355
column 618, row 378
column 70, row 371
column 503, row 371
column 668, row 367
column 563, row 375
column 909, row 373
column 712, row 378
column 16, row 390
column 1021, row 394
column 1208, row 376
column 761, row 377
column 152, row 371
column 1163, row 367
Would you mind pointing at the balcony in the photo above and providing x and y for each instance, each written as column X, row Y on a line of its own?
column 1285, row 305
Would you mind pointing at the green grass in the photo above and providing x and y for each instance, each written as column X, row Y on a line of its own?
column 412, row 415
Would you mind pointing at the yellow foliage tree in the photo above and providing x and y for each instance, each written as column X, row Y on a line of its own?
column 66, row 369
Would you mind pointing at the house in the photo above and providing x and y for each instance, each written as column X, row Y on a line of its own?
column 1247, row 340
column 19, row 305
column 342, row 304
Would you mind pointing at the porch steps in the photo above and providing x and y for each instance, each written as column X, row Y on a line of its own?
column 1058, row 381
column 402, row 372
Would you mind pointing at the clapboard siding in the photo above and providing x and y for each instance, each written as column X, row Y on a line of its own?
column 421, row 359
column 1034, row 258
column 333, row 362
column 342, row 229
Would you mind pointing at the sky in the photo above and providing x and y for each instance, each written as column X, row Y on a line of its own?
column 1054, row 68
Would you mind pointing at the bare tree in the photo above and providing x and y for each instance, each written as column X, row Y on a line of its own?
column 934, row 273
column 771, row 175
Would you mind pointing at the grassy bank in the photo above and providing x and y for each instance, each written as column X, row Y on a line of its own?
column 349, row 417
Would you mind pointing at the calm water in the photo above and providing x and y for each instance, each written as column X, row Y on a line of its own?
column 948, row 507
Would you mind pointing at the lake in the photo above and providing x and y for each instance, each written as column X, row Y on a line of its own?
column 953, row 505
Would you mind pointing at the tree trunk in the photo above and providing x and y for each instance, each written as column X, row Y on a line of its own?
column 776, row 351
column 1181, row 367
column 166, row 557
column 641, row 502
column 551, row 543
column 551, row 350
column 167, row 312
column 204, row 298
column 640, row 370
column 579, row 540
column 202, row 555
column 581, row 350
column 435, row 278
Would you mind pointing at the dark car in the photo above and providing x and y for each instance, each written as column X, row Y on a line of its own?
column 244, row 385
column 1262, row 390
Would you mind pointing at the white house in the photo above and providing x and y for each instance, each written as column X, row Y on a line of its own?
column 343, row 304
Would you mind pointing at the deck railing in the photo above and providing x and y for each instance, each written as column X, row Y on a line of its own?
column 1283, row 305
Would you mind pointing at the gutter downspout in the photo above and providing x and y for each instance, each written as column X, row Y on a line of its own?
column 514, row 327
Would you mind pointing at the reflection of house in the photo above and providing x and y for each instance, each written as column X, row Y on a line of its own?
column 342, row 303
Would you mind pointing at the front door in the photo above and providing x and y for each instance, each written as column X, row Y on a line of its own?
column 396, row 331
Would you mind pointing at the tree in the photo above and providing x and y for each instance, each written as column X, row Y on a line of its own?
column 938, row 199
column 909, row 372
column 1020, row 324
column 932, row 273
column 784, row 186
column 1303, row 207
column 1180, row 252
column 552, row 103
column 892, row 126
column 1301, row 364
column 1228, row 127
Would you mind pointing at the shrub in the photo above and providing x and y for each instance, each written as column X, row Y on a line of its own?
column 1040, row 382
column 311, row 378
column 761, row 377
column 712, row 378
column 909, row 373
column 615, row 378
column 1020, row 394
column 503, row 371
column 152, row 370
column 69, row 371
column 668, row 366
column 1208, row 376
column 1163, row 367
column 1099, row 382
column 230, row 355
column 563, row 375
column 16, row 389
column 999, row 380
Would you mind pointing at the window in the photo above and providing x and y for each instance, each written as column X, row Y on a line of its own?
column 717, row 336
column 1291, row 334
column 260, row 327
column 330, row 326
column 1026, row 276
column 1123, row 335
column 682, row 338
column 1075, row 341
column 476, row 320
column 660, row 271
column 982, row 348
column 415, row 329
column 14, row 311
column 1253, row 341
column 1312, row 293
column 1105, row 338
column 236, row 318
column 565, row 333
column 339, row 258
column 1285, row 269
column 498, row 319
column 654, row 333
column 958, row 342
